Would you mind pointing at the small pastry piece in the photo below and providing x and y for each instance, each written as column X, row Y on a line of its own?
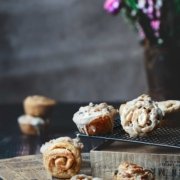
column 62, row 157
column 169, row 106
column 84, row 177
column 140, row 116
column 31, row 125
column 38, row 106
column 95, row 119
column 129, row 171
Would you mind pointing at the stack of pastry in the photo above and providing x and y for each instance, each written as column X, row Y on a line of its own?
column 37, row 113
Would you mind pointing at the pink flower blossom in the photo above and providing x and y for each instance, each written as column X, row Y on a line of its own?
column 155, row 24
column 112, row 6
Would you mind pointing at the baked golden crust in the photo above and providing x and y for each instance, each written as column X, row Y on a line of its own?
column 100, row 125
column 62, row 159
column 38, row 106
column 95, row 119
column 130, row 171
column 29, row 129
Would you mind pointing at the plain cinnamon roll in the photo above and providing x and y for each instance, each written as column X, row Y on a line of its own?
column 62, row 157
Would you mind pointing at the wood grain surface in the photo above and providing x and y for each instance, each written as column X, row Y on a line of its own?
column 164, row 162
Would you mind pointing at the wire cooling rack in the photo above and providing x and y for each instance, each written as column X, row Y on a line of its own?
column 164, row 136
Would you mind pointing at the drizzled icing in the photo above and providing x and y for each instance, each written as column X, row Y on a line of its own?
column 140, row 116
column 132, row 171
column 90, row 112
column 27, row 119
column 76, row 142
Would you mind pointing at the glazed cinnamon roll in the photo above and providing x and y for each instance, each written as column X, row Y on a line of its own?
column 95, row 119
column 140, row 116
column 129, row 171
column 62, row 157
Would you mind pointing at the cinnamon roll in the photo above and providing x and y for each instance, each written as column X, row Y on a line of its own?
column 62, row 157
column 95, row 119
column 140, row 116
column 129, row 171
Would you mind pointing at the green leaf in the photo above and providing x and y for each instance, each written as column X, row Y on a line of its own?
column 132, row 4
column 177, row 4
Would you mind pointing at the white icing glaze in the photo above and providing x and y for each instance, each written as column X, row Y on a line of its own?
column 90, row 112
column 140, row 116
column 132, row 171
column 27, row 119
column 76, row 142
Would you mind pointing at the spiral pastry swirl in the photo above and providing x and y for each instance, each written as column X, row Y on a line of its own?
column 140, row 116
column 62, row 157
column 130, row 171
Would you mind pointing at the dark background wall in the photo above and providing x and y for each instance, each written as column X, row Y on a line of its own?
column 68, row 50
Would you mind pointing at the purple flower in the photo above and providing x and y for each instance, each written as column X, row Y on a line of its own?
column 112, row 6
column 155, row 24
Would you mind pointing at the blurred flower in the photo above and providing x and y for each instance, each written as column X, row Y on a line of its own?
column 141, row 4
column 112, row 6
column 155, row 20
column 155, row 24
